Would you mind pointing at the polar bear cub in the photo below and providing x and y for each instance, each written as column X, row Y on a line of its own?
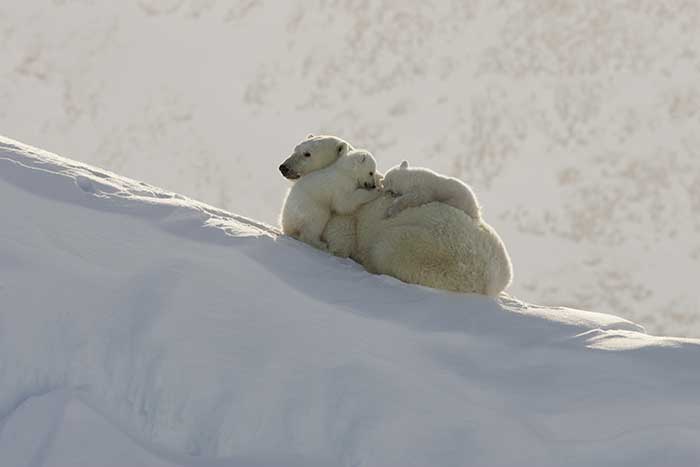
column 416, row 186
column 339, row 188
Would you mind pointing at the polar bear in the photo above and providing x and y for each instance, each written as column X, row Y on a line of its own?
column 314, row 153
column 416, row 186
column 434, row 245
column 340, row 188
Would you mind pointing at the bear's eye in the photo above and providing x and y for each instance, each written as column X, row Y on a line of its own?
column 371, row 173
column 307, row 154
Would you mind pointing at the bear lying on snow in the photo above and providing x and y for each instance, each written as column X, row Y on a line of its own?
column 434, row 244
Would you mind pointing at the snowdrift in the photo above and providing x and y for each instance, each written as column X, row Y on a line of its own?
column 141, row 328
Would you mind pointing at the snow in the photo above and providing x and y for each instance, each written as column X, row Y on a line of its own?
column 139, row 327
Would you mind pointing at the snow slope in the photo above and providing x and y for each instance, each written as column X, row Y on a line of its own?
column 139, row 327
column 575, row 121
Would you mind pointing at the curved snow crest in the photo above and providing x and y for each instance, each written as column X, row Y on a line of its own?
column 126, row 195
column 210, row 340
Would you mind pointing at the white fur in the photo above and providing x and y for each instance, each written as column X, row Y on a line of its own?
column 340, row 188
column 434, row 244
column 314, row 153
column 416, row 186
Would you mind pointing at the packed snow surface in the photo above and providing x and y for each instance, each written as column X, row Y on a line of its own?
column 141, row 328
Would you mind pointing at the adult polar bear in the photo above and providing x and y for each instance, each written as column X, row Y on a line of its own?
column 434, row 244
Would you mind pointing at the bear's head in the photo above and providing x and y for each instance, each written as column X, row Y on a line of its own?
column 314, row 153
column 392, row 182
column 363, row 167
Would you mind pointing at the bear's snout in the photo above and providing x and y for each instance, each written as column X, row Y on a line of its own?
column 288, row 173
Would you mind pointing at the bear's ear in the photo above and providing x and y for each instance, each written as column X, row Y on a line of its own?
column 309, row 136
column 342, row 149
column 404, row 165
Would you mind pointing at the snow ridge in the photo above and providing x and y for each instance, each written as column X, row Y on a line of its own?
column 173, row 333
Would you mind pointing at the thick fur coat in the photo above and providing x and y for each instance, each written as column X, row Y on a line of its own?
column 341, row 188
column 434, row 244
column 415, row 186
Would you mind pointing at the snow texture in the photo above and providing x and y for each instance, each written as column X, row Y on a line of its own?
column 142, row 328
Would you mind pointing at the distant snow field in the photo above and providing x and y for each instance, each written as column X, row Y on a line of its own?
column 139, row 327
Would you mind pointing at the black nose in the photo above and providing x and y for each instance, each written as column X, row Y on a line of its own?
column 284, row 169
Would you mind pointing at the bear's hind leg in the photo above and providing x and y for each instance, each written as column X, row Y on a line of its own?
column 467, row 204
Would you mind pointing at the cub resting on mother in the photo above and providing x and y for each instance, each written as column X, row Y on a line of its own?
column 434, row 245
